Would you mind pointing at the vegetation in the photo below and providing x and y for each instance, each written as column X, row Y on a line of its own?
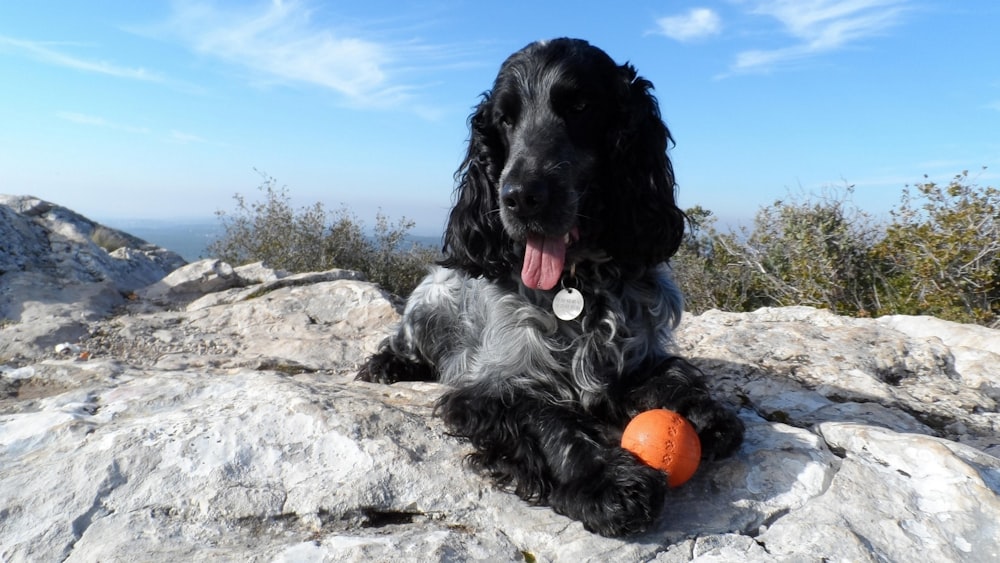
column 941, row 253
column 312, row 239
column 938, row 255
column 110, row 239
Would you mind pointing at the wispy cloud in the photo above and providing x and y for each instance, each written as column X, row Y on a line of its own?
column 818, row 27
column 48, row 52
column 174, row 136
column 185, row 138
column 695, row 24
column 282, row 42
column 96, row 121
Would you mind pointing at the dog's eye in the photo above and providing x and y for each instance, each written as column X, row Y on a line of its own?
column 579, row 106
column 506, row 121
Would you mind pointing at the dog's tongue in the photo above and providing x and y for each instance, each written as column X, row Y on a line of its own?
column 543, row 261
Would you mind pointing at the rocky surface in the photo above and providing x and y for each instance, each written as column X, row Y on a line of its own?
column 60, row 271
column 211, row 414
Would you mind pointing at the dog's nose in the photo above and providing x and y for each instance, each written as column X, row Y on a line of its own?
column 524, row 200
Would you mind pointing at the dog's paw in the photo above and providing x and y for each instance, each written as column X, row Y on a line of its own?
column 719, row 429
column 624, row 501
column 387, row 367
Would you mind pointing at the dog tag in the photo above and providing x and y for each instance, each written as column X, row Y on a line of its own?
column 568, row 304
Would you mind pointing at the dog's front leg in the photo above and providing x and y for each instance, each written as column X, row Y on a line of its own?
column 552, row 454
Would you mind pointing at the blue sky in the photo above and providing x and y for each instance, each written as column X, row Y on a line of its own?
column 164, row 110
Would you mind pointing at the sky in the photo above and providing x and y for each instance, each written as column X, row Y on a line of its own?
column 163, row 110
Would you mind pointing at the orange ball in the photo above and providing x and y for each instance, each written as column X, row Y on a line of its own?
column 666, row 441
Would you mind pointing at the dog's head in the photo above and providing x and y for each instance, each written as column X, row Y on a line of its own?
column 567, row 161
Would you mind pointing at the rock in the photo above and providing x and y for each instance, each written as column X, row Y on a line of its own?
column 60, row 271
column 190, row 282
column 975, row 349
column 808, row 366
column 37, row 312
column 43, row 237
column 258, row 464
column 303, row 322
column 214, row 416
column 268, row 283
column 935, row 501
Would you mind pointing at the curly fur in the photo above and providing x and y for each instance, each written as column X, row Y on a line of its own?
column 567, row 145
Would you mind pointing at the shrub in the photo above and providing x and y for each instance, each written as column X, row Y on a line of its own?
column 813, row 252
column 942, row 252
column 110, row 239
column 311, row 239
column 939, row 254
column 708, row 269
column 799, row 252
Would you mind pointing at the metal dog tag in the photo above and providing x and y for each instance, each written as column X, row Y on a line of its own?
column 567, row 304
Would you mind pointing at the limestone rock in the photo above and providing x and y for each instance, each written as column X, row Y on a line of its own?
column 190, row 282
column 975, row 349
column 247, row 459
column 214, row 416
column 37, row 312
column 44, row 237
column 60, row 271
column 309, row 322
column 809, row 366
column 935, row 501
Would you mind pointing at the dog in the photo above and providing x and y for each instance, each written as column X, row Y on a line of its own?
column 549, row 316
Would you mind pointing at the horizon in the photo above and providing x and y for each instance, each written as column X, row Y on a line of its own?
column 190, row 238
column 166, row 110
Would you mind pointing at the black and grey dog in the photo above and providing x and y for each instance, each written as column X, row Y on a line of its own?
column 551, row 312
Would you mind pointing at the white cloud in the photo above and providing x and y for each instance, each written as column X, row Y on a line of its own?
column 818, row 26
column 47, row 53
column 96, row 121
column 281, row 42
column 184, row 138
column 174, row 136
column 695, row 24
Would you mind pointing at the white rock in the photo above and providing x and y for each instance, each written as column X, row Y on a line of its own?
column 976, row 349
column 796, row 362
column 64, row 348
column 899, row 497
column 258, row 272
column 44, row 237
column 56, row 277
column 41, row 312
column 227, row 427
column 191, row 281
column 19, row 373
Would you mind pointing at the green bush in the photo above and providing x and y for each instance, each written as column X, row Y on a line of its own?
column 941, row 253
column 798, row 252
column 938, row 255
column 709, row 270
column 110, row 239
column 311, row 239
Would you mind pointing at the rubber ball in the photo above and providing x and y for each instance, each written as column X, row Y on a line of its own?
column 664, row 440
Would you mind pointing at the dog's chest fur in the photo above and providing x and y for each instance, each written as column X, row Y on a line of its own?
column 474, row 331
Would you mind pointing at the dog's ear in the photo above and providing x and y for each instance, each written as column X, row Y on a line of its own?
column 644, row 226
column 475, row 240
